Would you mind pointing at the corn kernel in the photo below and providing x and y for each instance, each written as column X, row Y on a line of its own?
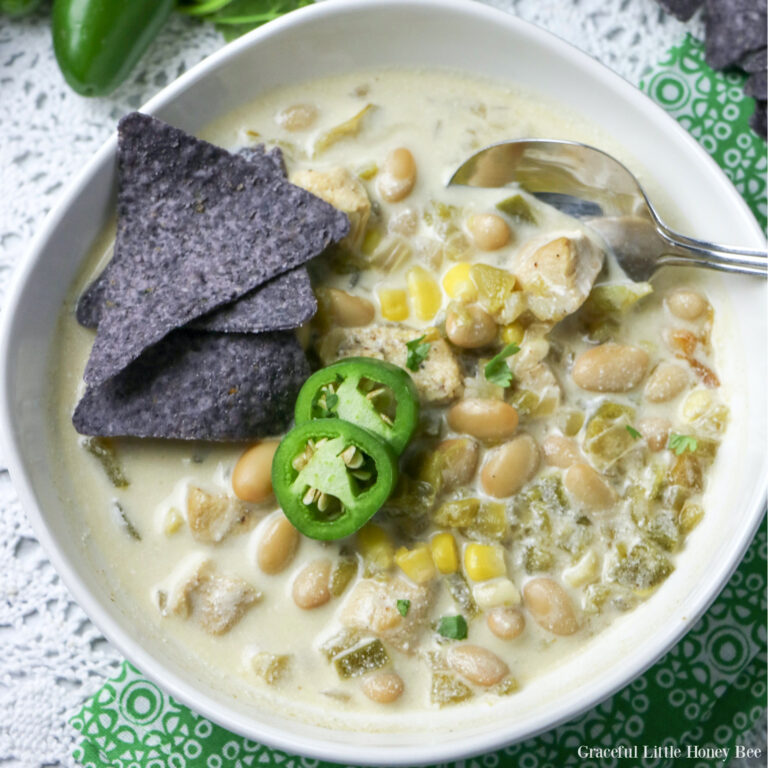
column 445, row 553
column 425, row 293
column 173, row 521
column 394, row 304
column 495, row 592
column 583, row 572
column 416, row 563
column 457, row 284
column 513, row 333
column 697, row 404
column 376, row 547
column 484, row 561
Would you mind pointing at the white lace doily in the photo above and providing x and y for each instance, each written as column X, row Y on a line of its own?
column 52, row 656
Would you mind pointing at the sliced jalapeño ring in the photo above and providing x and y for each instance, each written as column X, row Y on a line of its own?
column 374, row 394
column 330, row 477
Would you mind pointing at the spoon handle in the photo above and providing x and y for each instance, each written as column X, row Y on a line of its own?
column 687, row 251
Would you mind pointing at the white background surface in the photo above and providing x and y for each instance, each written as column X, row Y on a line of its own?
column 51, row 656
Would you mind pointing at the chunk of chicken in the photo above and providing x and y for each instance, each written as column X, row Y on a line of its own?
column 215, row 601
column 343, row 190
column 372, row 607
column 557, row 275
column 211, row 516
column 438, row 378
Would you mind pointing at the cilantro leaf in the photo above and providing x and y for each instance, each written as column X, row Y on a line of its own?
column 403, row 606
column 682, row 443
column 632, row 431
column 496, row 369
column 418, row 349
column 453, row 627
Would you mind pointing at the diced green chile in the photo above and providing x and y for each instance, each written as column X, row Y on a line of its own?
column 358, row 661
column 374, row 394
column 339, row 643
column 448, row 689
column 344, row 571
column 517, row 207
column 125, row 521
column 459, row 590
column 330, row 477
column 102, row 449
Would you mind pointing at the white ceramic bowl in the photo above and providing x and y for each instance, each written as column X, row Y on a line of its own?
column 331, row 38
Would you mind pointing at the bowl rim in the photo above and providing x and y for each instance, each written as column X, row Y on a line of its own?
column 174, row 684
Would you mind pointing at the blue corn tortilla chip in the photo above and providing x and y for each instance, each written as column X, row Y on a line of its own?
column 756, row 85
column 682, row 9
column 195, row 231
column 285, row 302
column 733, row 28
column 268, row 161
column 755, row 61
column 200, row 386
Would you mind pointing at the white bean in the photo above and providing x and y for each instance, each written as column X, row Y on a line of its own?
column 686, row 304
column 666, row 382
column 252, row 475
column 483, row 418
column 277, row 544
column 477, row 664
column 505, row 622
column 587, row 487
column 383, row 687
column 610, row 368
column 398, row 175
column 550, row 606
column 489, row 231
column 469, row 327
column 510, row 466
column 311, row 586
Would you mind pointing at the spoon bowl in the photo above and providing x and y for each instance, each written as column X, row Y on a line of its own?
column 590, row 184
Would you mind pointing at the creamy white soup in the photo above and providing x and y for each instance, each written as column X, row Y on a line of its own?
column 568, row 422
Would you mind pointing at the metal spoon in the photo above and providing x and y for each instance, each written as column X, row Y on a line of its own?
column 589, row 184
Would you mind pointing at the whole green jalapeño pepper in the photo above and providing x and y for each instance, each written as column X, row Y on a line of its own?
column 371, row 393
column 98, row 42
column 330, row 477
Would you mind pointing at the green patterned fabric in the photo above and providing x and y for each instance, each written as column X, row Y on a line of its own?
column 713, row 108
column 706, row 692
